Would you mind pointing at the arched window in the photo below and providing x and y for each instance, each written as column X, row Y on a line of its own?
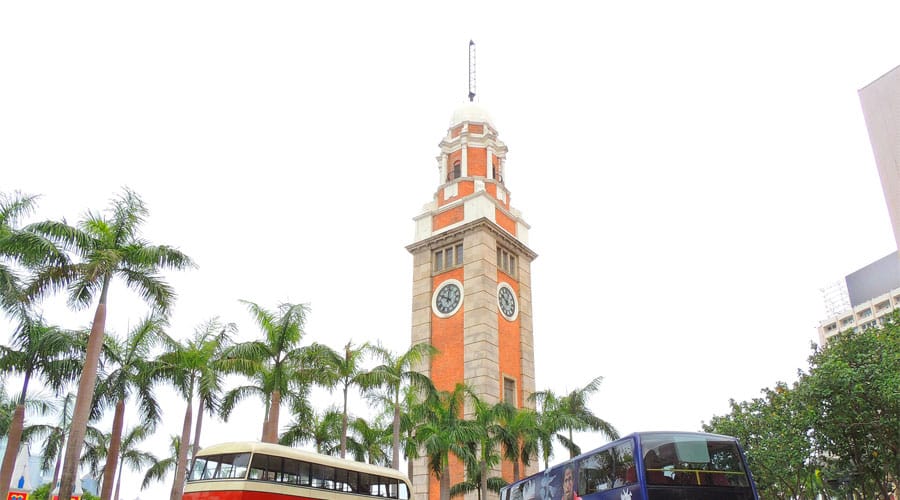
column 455, row 172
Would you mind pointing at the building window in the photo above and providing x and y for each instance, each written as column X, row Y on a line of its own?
column 509, row 391
column 455, row 172
column 506, row 261
column 448, row 257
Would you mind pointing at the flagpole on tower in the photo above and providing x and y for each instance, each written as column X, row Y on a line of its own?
column 471, row 71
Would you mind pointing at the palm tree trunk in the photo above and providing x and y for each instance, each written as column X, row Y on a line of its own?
column 12, row 449
column 181, row 465
column 271, row 428
column 83, row 400
column 112, row 454
column 445, row 483
column 516, row 471
column 62, row 431
column 201, row 407
column 118, row 483
column 395, row 440
column 482, row 488
column 344, row 427
column 409, row 468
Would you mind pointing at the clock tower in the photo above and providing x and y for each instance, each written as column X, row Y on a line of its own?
column 472, row 280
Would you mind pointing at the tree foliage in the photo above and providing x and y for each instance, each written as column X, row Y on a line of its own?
column 836, row 431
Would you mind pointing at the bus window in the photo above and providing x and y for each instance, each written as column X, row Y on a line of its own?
column 596, row 473
column 304, row 474
column 291, row 471
column 624, row 472
column 275, row 469
column 365, row 483
column 340, row 480
column 197, row 471
column 258, row 466
column 352, row 481
column 318, row 476
column 239, row 469
column 403, row 493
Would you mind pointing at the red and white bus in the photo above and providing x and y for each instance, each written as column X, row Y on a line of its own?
column 262, row 471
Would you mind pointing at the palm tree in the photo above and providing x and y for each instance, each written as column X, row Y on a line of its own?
column 22, row 247
column 195, row 366
column 444, row 432
column 323, row 430
column 346, row 371
column 369, row 442
column 474, row 483
column 12, row 208
column 29, row 249
column 96, row 447
column 570, row 413
column 517, row 434
column 392, row 374
column 108, row 247
column 133, row 457
column 486, row 417
column 54, row 435
column 132, row 369
column 282, row 368
column 42, row 351
column 160, row 469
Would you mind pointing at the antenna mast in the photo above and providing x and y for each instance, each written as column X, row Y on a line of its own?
column 471, row 71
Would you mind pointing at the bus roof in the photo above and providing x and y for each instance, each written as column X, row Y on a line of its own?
column 307, row 456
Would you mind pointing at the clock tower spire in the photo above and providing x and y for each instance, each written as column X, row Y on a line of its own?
column 472, row 279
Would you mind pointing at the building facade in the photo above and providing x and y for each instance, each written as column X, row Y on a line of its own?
column 873, row 292
column 881, row 108
column 472, row 279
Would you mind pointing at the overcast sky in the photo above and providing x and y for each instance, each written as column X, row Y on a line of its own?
column 693, row 172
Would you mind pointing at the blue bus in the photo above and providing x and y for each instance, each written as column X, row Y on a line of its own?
column 646, row 466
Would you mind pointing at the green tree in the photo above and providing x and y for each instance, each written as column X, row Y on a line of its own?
column 322, row 430
column 474, row 483
column 518, row 436
column 158, row 470
column 54, row 436
column 346, row 371
column 396, row 372
column 569, row 413
column 369, row 442
column 107, row 247
column 130, row 370
column 282, row 368
column 135, row 458
column 444, row 432
column 853, row 385
column 486, row 456
column 42, row 351
column 774, row 431
column 196, row 368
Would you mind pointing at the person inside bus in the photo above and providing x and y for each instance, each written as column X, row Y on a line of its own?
column 653, row 466
column 568, row 485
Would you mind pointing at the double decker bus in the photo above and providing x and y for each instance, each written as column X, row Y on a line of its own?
column 262, row 471
column 646, row 466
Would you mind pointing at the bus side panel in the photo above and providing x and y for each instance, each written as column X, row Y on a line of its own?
column 240, row 495
column 632, row 492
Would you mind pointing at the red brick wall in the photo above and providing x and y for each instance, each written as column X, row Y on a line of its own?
column 477, row 162
column 448, row 217
column 505, row 222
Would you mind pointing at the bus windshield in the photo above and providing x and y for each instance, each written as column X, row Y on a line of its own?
column 691, row 459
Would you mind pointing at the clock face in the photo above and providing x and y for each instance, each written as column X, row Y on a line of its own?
column 447, row 299
column 506, row 299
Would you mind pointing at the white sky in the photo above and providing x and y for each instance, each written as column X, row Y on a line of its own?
column 693, row 172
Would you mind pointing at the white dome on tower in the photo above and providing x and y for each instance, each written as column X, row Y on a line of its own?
column 471, row 112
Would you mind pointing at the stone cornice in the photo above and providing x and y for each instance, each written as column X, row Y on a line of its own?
column 483, row 223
